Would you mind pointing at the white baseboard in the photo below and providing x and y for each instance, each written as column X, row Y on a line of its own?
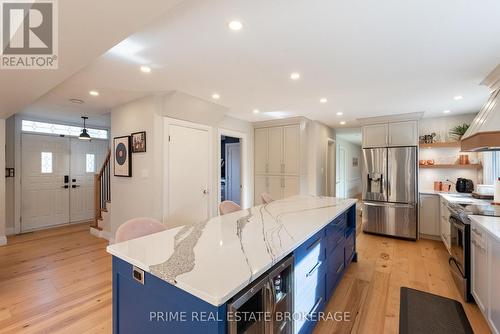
column 102, row 234
column 3, row 240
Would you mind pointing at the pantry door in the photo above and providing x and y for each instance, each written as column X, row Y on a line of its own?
column 44, row 193
column 86, row 160
column 188, row 172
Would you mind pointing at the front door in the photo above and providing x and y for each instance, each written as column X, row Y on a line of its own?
column 57, row 180
column 45, row 195
column 86, row 158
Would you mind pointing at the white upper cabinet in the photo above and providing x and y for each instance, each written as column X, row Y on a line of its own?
column 260, row 146
column 277, row 150
column 403, row 133
column 291, row 149
column 375, row 135
column 390, row 134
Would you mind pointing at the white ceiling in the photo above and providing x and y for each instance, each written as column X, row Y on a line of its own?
column 369, row 58
column 87, row 29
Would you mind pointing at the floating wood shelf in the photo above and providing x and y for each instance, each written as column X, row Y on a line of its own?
column 468, row 166
column 450, row 144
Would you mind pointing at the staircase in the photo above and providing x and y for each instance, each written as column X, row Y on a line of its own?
column 102, row 201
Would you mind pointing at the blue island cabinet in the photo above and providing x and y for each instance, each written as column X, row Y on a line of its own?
column 154, row 306
column 143, row 303
column 319, row 265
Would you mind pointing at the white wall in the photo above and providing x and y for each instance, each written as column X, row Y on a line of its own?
column 10, row 125
column 142, row 195
column 318, row 136
column 3, row 239
column 353, row 174
column 441, row 126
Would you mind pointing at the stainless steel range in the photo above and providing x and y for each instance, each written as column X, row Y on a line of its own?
column 460, row 259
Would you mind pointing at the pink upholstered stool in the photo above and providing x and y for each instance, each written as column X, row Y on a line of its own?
column 138, row 227
column 266, row 198
column 226, row 207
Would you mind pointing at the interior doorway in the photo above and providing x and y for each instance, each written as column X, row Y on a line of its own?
column 230, row 169
column 330, row 168
column 341, row 172
column 57, row 179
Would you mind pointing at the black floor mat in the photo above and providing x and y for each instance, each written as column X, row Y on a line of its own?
column 422, row 312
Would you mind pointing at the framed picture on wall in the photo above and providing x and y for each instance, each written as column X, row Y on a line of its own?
column 355, row 162
column 123, row 156
column 139, row 142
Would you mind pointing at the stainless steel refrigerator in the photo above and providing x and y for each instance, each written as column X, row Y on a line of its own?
column 390, row 191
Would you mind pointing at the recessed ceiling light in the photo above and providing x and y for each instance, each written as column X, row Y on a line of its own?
column 340, row 113
column 215, row 96
column 446, row 111
column 342, row 123
column 145, row 69
column 295, row 76
column 323, row 100
column 235, row 25
column 94, row 93
column 458, row 97
column 256, row 111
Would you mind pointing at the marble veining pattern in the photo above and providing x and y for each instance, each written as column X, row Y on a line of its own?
column 215, row 259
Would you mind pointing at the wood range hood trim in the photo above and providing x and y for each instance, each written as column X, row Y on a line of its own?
column 481, row 141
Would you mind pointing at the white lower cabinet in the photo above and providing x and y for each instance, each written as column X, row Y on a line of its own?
column 485, row 270
column 445, row 229
column 479, row 267
column 278, row 187
column 429, row 215
column 494, row 291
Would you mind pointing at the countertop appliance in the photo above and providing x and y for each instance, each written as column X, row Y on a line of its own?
column 266, row 306
column 390, row 191
column 464, row 185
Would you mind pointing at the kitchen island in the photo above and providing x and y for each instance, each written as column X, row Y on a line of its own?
column 181, row 280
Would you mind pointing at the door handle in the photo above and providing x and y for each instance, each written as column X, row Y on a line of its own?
column 205, row 192
column 65, row 186
column 75, row 186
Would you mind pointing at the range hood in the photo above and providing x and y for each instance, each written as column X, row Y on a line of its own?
column 484, row 132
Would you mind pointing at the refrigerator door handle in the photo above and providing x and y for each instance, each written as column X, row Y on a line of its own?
column 392, row 205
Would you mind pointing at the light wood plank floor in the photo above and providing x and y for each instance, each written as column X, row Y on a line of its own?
column 59, row 281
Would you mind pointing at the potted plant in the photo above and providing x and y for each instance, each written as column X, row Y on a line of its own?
column 458, row 131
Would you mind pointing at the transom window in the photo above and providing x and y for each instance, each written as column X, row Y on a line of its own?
column 60, row 129
column 46, row 162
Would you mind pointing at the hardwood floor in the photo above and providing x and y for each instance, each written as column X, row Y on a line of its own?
column 59, row 281
column 370, row 289
column 55, row 281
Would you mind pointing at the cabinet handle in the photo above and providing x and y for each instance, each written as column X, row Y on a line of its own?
column 475, row 231
column 314, row 243
column 316, row 266
column 314, row 308
column 478, row 245
column 340, row 268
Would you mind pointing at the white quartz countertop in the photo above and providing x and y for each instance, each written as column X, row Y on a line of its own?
column 453, row 197
column 490, row 224
column 215, row 259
